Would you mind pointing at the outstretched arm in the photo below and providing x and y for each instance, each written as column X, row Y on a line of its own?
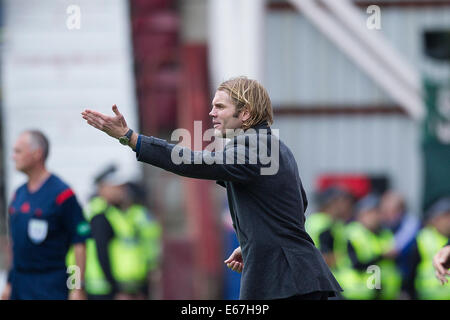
column 157, row 152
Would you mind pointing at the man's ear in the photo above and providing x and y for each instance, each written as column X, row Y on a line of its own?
column 245, row 114
column 38, row 154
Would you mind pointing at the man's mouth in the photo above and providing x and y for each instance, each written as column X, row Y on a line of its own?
column 216, row 124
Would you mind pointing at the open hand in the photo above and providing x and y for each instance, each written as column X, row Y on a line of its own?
column 113, row 126
column 235, row 261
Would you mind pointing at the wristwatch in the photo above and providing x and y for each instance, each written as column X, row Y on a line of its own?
column 125, row 140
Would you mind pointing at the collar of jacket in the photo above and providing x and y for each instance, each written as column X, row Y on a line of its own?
column 256, row 128
column 261, row 126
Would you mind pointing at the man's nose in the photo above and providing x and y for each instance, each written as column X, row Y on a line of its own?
column 212, row 113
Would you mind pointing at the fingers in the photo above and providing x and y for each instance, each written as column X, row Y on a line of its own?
column 96, row 114
column 438, row 266
column 93, row 120
column 232, row 257
column 112, row 126
column 440, row 269
column 438, row 263
column 235, row 266
column 115, row 110
column 444, row 259
column 119, row 115
column 442, row 279
column 90, row 116
column 444, row 255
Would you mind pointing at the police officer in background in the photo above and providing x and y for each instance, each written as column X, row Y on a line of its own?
column 396, row 217
column 421, row 282
column 45, row 220
column 148, row 233
column 118, row 262
column 370, row 249
column 326, row 227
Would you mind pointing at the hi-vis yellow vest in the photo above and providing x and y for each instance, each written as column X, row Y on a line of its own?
column 368, row 246
column 128, row 265
column 429, row 242
column 317, row 223
column 148, row 233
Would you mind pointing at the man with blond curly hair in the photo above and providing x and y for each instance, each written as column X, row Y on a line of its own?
column 277, row 258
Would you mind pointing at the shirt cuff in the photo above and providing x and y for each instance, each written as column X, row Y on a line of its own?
column 138, row 146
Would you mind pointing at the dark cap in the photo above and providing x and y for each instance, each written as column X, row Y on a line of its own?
column 330, row 194
column 104, row 173
column 369, row 202
column 440, row 207
column 113, row 176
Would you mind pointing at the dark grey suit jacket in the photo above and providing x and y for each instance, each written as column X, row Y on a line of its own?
column 280, row 259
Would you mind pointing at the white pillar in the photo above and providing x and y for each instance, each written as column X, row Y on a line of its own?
column 236, row 32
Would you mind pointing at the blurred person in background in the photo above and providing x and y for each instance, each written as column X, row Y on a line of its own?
column 421, row 282
column 149, row 232
column 45, row 220
column 117, row 259
column 404, row 225
column 326, row 227
column 370, row 246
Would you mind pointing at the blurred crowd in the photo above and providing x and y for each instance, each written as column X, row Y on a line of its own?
column 377, row 248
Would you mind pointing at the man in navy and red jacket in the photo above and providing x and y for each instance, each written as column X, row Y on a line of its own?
column 45, row 220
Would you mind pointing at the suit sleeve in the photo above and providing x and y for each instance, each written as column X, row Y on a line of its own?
column 232, row 164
